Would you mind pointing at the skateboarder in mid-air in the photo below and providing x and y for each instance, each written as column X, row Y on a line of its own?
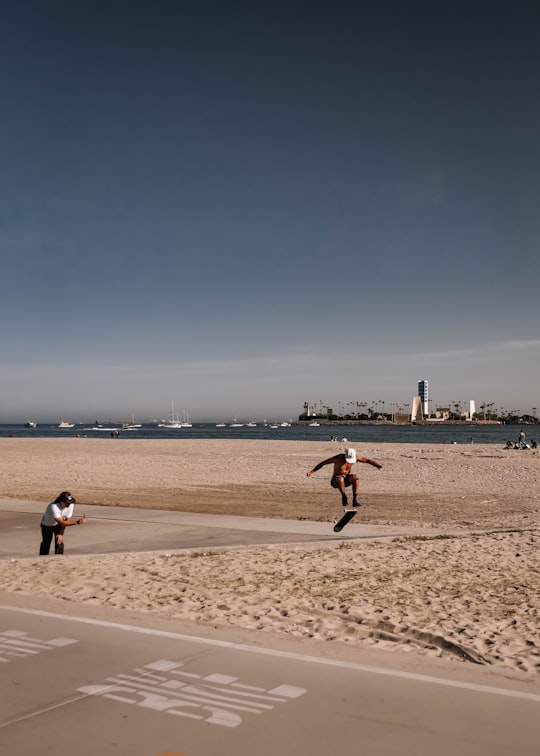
column 342, row 476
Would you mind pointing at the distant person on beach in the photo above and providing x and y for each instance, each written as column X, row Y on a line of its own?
column 342, row 477
column 56, row 518
column 521, row 438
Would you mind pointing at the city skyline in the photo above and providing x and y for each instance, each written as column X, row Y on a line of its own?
column 383, row 408
column 358, row 408
column 238, row 207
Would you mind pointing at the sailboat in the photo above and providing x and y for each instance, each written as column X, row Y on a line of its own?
column 185, row 422
column 174, row 421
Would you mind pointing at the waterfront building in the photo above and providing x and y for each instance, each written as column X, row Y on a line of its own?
column 424, row 397
column 417, row 414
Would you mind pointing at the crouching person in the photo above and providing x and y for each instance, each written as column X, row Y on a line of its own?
column 56, row 518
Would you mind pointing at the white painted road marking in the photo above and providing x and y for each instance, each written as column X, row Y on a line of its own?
column 18, row 644
column 489, row 689
column 212, row 693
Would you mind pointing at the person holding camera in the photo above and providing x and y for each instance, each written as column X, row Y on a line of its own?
column 56, row 518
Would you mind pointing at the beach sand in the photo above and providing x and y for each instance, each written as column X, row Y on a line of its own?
column 472, row 595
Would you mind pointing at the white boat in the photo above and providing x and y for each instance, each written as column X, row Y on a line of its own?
column 171, row 424
column 314, row 424
column 185, row 420
column 285, row 425
column 132, row 425
column 30, row 424
column 174, row 421
column 64, row 424
column 251, row 425
column 220, row 425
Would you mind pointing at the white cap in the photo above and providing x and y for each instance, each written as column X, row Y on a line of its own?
column 350, row 455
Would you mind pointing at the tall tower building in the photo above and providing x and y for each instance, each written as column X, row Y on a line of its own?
column 424, row 398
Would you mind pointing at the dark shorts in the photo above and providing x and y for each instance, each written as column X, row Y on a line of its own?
column 347, row 480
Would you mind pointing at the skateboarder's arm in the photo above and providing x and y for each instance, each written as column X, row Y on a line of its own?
column 329, row 461
column 369, row 462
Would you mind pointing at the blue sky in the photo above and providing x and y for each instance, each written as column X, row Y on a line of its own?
column 244, row 206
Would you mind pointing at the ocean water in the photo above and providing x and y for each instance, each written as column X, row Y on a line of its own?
column 354, row 434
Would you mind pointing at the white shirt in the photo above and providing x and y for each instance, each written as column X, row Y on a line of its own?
column 55, row 510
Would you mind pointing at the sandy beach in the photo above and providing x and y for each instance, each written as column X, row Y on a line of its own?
column 471, row 595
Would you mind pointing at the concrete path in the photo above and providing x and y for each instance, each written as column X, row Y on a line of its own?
column 86, row 685
column 118, row 529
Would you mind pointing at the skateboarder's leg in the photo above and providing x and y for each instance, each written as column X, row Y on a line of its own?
column 355, row 481
column 338, row 481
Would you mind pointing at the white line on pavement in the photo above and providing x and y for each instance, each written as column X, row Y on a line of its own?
column 284, row 654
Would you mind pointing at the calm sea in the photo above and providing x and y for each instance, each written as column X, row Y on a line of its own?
column 354, row 434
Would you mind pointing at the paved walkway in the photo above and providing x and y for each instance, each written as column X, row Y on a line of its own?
column 84, row 683
column 119, row 529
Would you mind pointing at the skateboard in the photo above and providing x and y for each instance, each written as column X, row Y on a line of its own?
column 347, row 517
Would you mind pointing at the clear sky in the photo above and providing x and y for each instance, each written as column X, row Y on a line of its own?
column 241, row 207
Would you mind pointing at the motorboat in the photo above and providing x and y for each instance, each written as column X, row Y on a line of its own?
column 64, row 424
column 132, row 425
column 30, row 424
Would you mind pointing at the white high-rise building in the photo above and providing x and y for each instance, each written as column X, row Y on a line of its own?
column 423, row 394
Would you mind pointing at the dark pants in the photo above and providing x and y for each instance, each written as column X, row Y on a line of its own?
column 47, row 533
